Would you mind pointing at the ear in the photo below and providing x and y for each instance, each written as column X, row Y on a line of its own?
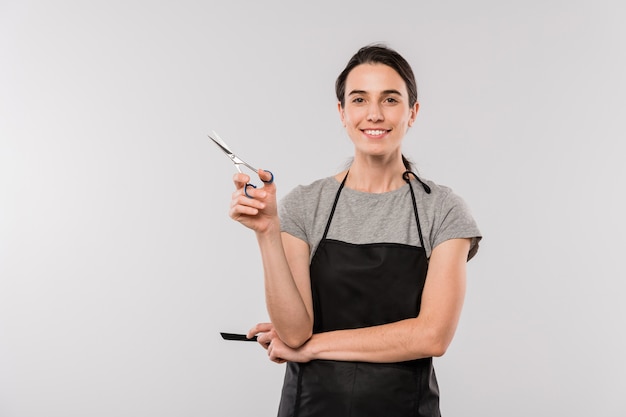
column 414, row 111
column 342, row 114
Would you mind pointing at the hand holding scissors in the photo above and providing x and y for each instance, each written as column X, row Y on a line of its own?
column 238, row 162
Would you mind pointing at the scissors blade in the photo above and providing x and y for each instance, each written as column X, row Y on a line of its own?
column 223, row 146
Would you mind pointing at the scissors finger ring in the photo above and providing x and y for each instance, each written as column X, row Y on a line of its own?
column 271, row 180
column 245, row 187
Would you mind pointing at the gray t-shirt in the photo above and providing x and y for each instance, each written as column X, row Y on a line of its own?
column 362, row 217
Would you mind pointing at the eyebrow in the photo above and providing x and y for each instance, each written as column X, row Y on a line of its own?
column 385, row 92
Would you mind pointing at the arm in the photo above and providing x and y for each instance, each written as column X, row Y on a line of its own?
column 287, row 287
column 428, row 334
column 285, row 262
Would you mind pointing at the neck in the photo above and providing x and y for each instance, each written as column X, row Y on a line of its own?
column 375, row 178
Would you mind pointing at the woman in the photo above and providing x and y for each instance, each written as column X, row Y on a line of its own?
column 364, row 271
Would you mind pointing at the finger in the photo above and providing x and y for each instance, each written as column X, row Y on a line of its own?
column 266, row 176
column 249, row 194
column 261, row 341
column 240, row 179
column 251, row 191
column 258, row 328
column 242, row 204
column 264, row 339
column 245, row 190
column 274, row 356
column 241, row 212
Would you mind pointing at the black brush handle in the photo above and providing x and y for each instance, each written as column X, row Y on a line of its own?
column 237, row 336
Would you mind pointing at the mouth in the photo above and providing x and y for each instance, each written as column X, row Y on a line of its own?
column 375, row 132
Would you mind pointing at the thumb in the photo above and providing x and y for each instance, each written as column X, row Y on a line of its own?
column 266, row 176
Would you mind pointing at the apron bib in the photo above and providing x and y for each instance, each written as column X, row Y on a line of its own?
column 354, row 286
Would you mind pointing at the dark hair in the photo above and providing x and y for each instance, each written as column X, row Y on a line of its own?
column 378, row 54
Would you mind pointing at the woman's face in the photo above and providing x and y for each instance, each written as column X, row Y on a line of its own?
column 376, row 113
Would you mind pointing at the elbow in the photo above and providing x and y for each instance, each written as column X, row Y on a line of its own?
column 296, row 340
column 437, row 343
column 438, row 349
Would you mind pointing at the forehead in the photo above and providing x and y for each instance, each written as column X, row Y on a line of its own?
column 373, row 78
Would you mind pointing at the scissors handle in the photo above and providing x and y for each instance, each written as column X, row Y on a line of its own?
column 271, row 180
column 245, row 187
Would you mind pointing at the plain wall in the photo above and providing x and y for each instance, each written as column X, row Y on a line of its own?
column 119, row 265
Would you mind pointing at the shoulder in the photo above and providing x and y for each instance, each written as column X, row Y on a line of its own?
column 302, row 207
column 304, row 200
column 450, row 216
column 437, row 194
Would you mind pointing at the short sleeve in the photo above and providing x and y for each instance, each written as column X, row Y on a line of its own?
column 291, row 214
column 455, row 221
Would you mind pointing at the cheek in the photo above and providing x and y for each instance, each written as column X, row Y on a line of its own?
column 352, row 116
column 346, row 119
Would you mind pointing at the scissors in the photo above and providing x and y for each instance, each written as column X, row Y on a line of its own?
column 238, row 162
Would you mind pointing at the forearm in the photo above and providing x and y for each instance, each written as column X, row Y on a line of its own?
column 394, row 342
column 286, row 308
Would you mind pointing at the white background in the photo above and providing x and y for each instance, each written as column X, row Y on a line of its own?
column 119, row 265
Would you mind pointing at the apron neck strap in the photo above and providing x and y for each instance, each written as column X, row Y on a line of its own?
column 407, row 178
column 332, row 211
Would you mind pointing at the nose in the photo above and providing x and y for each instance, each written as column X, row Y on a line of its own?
column 375, row 114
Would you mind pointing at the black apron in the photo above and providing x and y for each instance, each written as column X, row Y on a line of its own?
column 362, row 285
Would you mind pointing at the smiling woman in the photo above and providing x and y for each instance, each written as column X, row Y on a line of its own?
column 364, row 270
column 377, row 113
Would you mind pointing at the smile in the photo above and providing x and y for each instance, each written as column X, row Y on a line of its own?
column 374, row 132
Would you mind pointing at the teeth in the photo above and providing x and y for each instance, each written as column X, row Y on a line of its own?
column 374, row 132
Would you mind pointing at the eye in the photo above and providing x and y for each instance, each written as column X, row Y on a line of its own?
column 358, row 100
column 391, row 100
